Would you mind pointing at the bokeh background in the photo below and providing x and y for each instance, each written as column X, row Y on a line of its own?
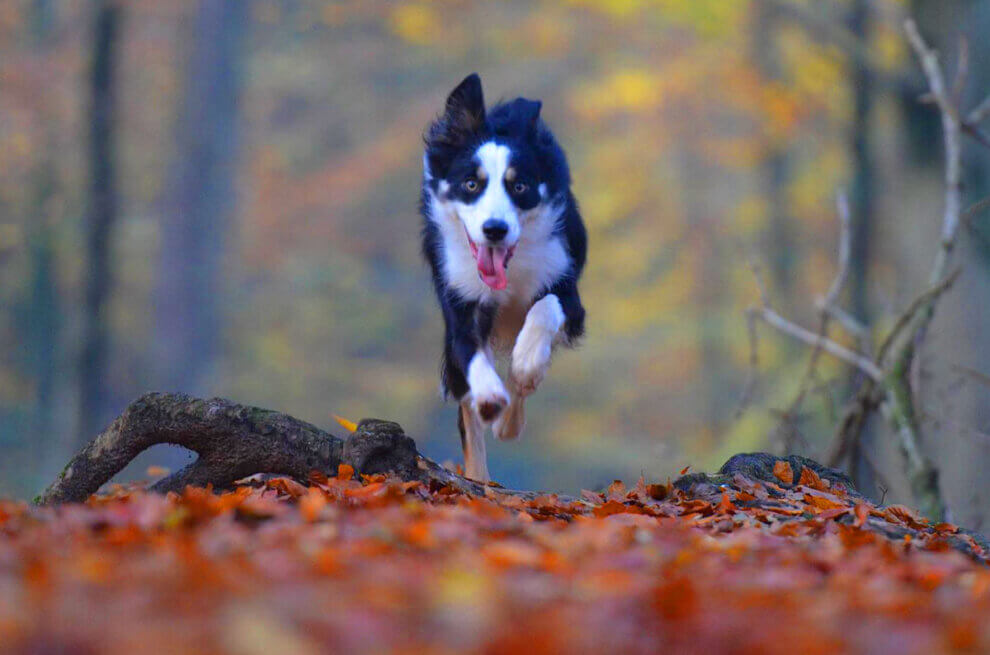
column 219, row 197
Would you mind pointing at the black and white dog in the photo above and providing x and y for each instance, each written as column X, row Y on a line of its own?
column 496, row 190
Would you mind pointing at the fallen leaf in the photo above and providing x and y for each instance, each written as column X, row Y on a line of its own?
column 782, row 471
column 348, row 425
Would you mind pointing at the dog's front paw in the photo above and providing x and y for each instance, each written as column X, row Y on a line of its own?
column 488, row 394
column 530, row 362
column 488, row 405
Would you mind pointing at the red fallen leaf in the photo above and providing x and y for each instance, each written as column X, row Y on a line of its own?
column 610, row 508
column 369, row 491
column 906, row 516
column 782, row 471
column 725, row 506
column 345, row 472
column 616, row 490
column 832, row 514
column 657, row 491
column 853, row 537
column 946, row 528
column 311, row 505
column 510, row 553
column 786, row 511
column 591, row 496
column 823, row 502
column 685, row 470
column 287, row 486
column 676, row 600
column 811, row 479
column 319, row 477
column 862, row 513
column 745, row 496
column 420, row 534
column 696, row 506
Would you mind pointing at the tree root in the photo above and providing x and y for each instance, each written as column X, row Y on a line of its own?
column 234, row 441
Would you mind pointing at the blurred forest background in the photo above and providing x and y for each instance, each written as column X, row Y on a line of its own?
column 219, row 197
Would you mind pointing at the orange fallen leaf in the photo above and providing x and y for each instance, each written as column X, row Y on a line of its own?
column 348, row 425
column 782, row 471
column 345, row 472
column 312, row 504
column 811, row 479
column 862, row 513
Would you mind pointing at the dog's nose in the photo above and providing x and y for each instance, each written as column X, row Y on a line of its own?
column 495, row 229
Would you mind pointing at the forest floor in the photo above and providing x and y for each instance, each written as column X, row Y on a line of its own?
column 374, row 565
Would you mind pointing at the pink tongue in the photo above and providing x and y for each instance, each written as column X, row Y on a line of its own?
column 491, row 265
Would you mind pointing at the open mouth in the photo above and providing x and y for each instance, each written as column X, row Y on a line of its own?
column 493, row 261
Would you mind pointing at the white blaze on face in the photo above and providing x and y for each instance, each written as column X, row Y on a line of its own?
column 494, row 202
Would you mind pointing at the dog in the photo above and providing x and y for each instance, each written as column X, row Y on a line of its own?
column 506, row 246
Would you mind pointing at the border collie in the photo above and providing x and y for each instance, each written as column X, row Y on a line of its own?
column 506, row 246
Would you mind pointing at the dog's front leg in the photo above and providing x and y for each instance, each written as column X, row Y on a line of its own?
column 534, row 345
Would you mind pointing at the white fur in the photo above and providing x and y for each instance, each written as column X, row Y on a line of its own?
column 493, row 160
column 534, row 345
column 486, row 386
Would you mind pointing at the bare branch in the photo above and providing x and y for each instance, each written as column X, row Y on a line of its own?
column 909, row 315
column 845, row 248
column 848, row 321
column 962, row 72
column 972, row 373
column 976, row 208
column 979, row 113
column 857, row 360
column 953, row 157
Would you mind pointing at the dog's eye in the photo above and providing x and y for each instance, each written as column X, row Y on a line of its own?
column 519, row 188
column 470, row 185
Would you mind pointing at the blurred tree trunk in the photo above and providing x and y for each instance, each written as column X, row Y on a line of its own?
column 959, row 336
column 100, row 221
column 201, row 203
column 775, row 166
column 862, row 207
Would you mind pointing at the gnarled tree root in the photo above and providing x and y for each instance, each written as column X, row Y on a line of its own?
column 234, row 441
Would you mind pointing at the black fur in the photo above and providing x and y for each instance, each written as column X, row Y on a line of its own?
column 451, row 142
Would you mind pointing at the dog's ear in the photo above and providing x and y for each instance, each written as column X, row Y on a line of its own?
column 466, row 103
column 529, row 112
column 518, row 118
column 462, row 120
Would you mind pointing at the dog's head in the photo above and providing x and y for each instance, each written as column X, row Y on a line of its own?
column 493, row 170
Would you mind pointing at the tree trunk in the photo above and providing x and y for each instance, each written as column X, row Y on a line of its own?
column 862, row 208
column 100, row 221
column 201, row 205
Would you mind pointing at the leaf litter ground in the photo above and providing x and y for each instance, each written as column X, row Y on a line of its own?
column 377, row 565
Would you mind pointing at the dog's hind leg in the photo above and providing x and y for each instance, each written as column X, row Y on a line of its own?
column 473, row 442
column 512, row 420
